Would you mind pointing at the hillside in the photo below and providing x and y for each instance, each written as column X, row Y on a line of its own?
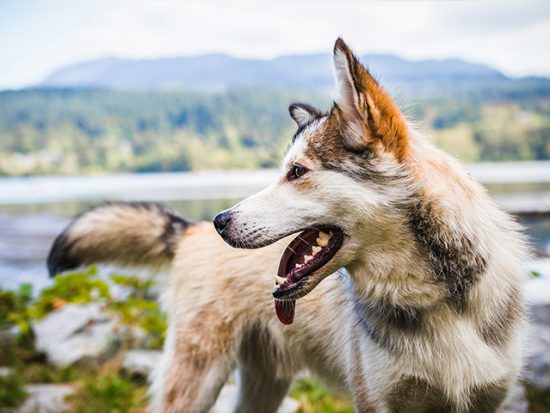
column 219, row 71
column 76, row 131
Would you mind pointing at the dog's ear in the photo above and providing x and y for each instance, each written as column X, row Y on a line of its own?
column 367, row 113
column 302, row 113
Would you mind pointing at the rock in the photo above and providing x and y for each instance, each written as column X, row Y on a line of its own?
column 132, row 336
column 141, row 362
column 228, row 399
column 46, row 398
column 6, row 371
column 72, row 332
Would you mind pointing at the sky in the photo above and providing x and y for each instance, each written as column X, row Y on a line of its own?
column 39, row 36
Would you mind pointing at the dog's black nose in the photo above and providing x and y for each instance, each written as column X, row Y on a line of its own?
column 221, row 220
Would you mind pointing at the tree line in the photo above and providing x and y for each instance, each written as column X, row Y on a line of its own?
column 56, row 131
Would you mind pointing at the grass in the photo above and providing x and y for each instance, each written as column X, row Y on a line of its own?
column 12, row 391
column 314, row 398
column 109, row 393
column 539, row 400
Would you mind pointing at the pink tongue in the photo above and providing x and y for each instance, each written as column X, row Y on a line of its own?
column 285, row 310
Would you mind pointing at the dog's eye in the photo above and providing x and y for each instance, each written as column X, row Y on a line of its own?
column 295, row 172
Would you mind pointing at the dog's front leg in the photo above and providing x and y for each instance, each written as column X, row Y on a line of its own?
column 262, row 385
column 260, row 391
column 193, row 370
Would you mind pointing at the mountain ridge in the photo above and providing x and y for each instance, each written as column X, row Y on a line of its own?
column 217, row 71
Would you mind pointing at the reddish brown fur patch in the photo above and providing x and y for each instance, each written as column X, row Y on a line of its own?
column 304, row 184
column 384, row 121
column 171, row 397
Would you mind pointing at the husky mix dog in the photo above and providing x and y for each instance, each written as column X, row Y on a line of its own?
column 401, row 289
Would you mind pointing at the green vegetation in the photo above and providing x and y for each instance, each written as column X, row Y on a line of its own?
column 314, row 398
column 539, row 399
column 112, row 393
column 92, row 131
column 101, row 385
column 12, row 391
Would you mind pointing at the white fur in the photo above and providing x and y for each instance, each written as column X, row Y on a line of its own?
column 384, row 264
column 301, row 115
column 347, row 99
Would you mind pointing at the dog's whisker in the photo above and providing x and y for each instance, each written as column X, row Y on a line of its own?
column 304, row 240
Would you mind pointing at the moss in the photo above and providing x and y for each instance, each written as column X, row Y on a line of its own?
column 539, row 400
column 138, row 309
column 14, row 314
column 13, row 303
column 535, row 274
column 139, row 287
column 12, row 390
column 110, row 393
column 143, row 314
column 314, row 398
column 45, row 373
column 76, row 287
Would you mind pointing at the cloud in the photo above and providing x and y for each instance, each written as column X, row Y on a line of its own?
column 38, row 37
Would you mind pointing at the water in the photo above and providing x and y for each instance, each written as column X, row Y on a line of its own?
column 28, row 231
column 34, row 210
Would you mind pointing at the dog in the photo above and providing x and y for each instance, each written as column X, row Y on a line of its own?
column 374, row 262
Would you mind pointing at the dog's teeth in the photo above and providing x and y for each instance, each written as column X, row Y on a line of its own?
column 323, row 238
column 315, row 250
column 298, row 266
column 279, row 280
column 307, row 258
column 323, row 234
column 321, row 242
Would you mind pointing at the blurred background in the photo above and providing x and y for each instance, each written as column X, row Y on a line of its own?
column 185, row 102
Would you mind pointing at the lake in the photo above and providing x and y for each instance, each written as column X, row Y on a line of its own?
column 34, row 210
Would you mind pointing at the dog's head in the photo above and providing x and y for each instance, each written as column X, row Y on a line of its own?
column 341, row 176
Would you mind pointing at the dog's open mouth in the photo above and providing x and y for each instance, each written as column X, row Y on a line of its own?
column 308, row 252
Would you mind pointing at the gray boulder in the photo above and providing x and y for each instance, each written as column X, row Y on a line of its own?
column 73, row 332
column 141, row 362
column 6, row 371
column 46, row 398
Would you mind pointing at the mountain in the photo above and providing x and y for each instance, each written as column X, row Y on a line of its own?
column 218, row 71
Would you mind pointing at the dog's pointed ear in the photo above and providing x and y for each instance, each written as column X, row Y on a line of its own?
column 302, row 113
column 367, row 113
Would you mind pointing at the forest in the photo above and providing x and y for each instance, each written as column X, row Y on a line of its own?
column 86, row 131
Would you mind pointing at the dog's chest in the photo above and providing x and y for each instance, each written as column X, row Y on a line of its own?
column 403, row 363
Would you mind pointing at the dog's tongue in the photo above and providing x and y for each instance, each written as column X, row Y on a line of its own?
column 285, row 311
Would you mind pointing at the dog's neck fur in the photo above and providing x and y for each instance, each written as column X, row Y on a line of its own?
column 425, row 228
column 453, row 302
column 437, row 226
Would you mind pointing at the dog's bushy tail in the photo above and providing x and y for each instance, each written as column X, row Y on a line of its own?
column 123, row 233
